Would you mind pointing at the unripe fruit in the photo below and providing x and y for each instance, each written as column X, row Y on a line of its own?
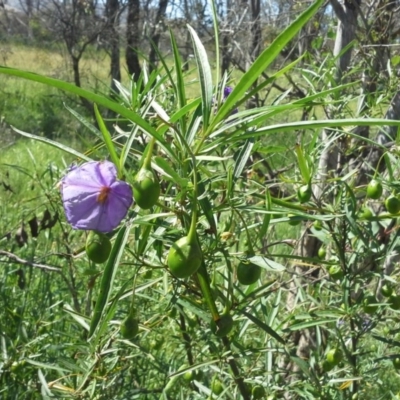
column 386, row 290
column 146, row 188
column 327, row 366
column 386, row 330
column 148, row 274
column 156, row 344
column 248, row 273
column 216, row 386
column 394, row 302
column 369, row 304
column 192, row 375
column 188, row 376
column 336, row 272
column 317, row 224
column 98, row 247
column 304, row 193
column 184, row 258
column 322, row 252
column 223, row 326
column 293, row 220
column 365, row 213
column 258, row 392
column 392, row 204
column 334, row 356
column 396, row 362
column 129, row 327
column 374, row 190
column 172, row 312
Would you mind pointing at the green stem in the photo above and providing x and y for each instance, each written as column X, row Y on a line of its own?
column 249, row 245
column 237, row 376
column 132, row 307
column 192, row 235
column 204, row 282
column 147, row 160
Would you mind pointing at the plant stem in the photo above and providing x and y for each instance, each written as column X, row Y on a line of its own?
column 147, row 160
column 236, row 371
column 204, row 282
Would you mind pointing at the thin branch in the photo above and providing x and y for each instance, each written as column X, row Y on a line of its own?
column 14, row 258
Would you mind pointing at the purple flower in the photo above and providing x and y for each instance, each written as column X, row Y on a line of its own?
column 93, row 198
column 227, row 92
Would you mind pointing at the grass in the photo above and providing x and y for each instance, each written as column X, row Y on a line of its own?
column 28, row 173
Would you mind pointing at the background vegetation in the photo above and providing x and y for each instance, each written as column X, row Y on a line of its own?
column 282, row 186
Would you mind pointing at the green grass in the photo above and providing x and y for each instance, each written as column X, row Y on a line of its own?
column 29, row 171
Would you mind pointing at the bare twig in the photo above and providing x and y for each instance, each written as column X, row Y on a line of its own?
column 14, row 258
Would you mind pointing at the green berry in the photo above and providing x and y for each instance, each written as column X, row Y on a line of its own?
column 335, row 272
column 98, row 247
column 369, row 304
column 129, row 327
column 334, row 356
column 248, row 273
column 184, row 258
column 317, row 224
column 216, row 386
column 304, row 193
column 223, row 326
column 392, row 204
column 322, row 252
column 146, row 188
column 258, row 392
column 394, row 301
column 365, row 213
column 396, row 362
column 386, row 290
column 293, row 220
column 374, row 190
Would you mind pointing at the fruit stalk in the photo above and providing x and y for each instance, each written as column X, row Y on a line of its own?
column 204, row 282
column 147, row 160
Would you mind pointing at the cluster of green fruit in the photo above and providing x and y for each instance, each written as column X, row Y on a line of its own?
column 370, row 303
column 375, row 191
column 333, row 357
column 185, row 255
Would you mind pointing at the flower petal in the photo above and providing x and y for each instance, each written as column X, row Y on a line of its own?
column 81, row 189
column 107, row 172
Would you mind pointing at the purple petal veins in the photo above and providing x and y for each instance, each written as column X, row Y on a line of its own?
column 93, row 198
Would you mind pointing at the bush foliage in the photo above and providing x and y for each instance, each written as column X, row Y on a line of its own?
column 227, row 329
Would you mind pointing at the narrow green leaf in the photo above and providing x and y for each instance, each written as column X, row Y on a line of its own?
column 299, row 125
column 93, row 97
column 46, row 366
column 309, row 324
column 107, row 280
column 214, row 14
column 303, row 166
column 205, row 204
column 82, row 120
column 266, row 263
column 242, row 156
column 205, row 76
column 50, row 142
column 107, row 140
column 180, row 83
column 166, row 167
column 76, row 316
column 267, row 217
column 264, row 327
column 262, row 62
